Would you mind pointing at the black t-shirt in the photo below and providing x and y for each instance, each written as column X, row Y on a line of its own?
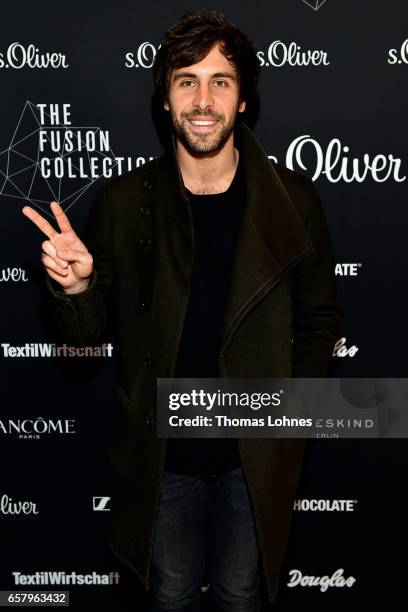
column 216, row 220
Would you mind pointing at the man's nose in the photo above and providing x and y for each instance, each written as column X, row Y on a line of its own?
column 203, row 97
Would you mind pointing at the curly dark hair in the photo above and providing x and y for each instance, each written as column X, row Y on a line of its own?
column 189, row 40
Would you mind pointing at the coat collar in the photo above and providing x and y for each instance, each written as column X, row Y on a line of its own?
column 272, row 238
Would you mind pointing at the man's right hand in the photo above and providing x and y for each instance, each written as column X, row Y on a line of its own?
column 64, row 256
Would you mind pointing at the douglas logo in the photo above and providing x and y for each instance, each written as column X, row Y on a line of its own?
column 324, row 582
column 17, row 56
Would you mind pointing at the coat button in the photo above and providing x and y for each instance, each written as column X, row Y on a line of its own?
column 144, row 210
column 144, row 242
column 150, row 420
column 66, row 302
column 147, row 185
column 147, row 362
column 145, row 303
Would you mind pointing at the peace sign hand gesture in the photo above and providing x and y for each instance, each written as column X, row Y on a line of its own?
column 64, row 256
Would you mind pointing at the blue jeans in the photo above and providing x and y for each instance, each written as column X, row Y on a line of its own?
column 205, row 532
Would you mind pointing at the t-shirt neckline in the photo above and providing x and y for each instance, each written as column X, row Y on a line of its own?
column 222, row 193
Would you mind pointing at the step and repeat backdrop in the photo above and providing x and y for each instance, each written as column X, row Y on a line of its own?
column 76, row 108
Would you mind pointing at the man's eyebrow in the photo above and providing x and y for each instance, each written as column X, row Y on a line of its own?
column 192, row 75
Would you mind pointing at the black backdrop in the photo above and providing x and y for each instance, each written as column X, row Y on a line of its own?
column 341, row 119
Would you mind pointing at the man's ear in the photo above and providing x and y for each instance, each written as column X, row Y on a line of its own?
column 242, row 106
column 166, row 105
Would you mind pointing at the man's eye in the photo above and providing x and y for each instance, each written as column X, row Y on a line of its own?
column 223, row 83
column 184, row 82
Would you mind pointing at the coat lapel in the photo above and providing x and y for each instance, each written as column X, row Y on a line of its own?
column 271, row 239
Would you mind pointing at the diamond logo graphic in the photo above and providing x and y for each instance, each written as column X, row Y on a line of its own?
column 315, row 5
column 69, row 172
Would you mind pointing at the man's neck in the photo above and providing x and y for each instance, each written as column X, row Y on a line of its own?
column 210, row 174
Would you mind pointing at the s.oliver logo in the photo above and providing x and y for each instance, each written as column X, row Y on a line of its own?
column 281, row 54
column 336, row 162
column 143, row 57
column 276, row 55
column 399, row 56
column 18, row 56
column 9, row 506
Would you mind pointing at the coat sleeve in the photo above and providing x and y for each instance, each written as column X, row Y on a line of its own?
column 82, row 317
column 317, row 315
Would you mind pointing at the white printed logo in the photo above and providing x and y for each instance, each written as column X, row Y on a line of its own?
column 340, row 349
column 8, row 506
column 46, row 149
column 15, row 275
column 336, row 164
column 18, row 56
column 347, row 269
column 50, row 577
column 32, row 429
column 101, row 504
column 36, row 349
column 324, row 582
column 314, row 4
column 280, row 54
column 143, row 57
column 399, row 56
column 324, row 505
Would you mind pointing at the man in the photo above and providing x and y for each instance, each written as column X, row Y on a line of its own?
column 214, row 262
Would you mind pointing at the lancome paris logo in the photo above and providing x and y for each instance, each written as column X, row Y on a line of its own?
column 20, row 56
column 26, row 428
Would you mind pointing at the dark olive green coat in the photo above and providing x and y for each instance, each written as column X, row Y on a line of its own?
column 281, row 320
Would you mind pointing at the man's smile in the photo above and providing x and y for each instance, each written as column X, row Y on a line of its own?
column 203, row 125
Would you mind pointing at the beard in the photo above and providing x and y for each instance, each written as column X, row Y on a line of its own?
column 202, row 145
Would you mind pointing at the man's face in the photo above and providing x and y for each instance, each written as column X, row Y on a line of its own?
column 204, row 101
